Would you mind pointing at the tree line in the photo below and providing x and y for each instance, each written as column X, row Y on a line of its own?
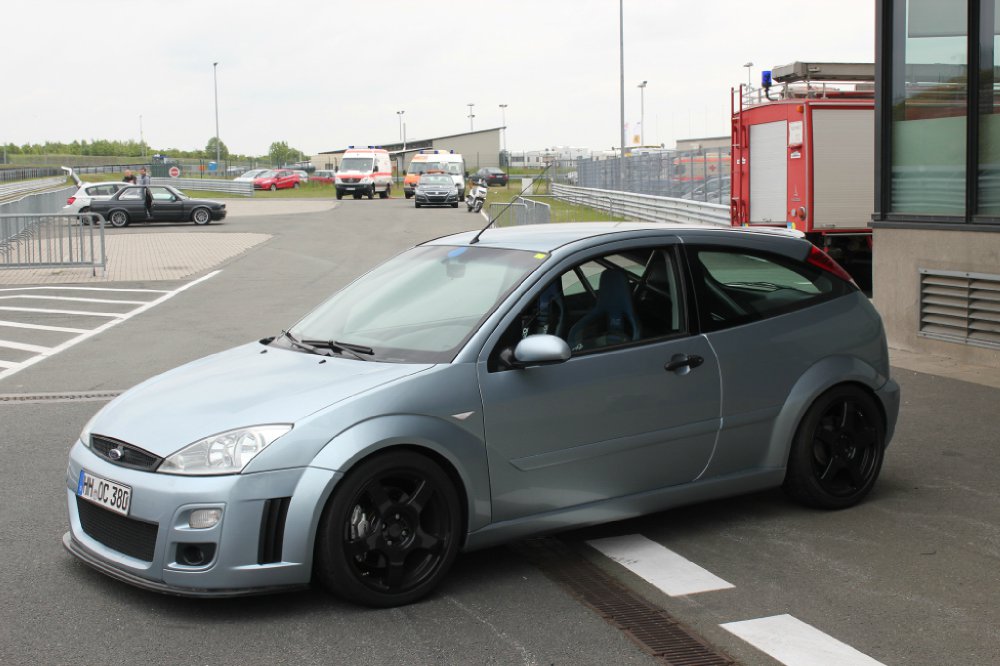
column 279, row 152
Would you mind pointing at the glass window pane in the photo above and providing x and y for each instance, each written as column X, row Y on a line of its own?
column 989, row 119
column 930, row 100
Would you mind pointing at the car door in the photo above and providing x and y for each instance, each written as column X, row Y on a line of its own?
column 627, row 413
column 167, row 207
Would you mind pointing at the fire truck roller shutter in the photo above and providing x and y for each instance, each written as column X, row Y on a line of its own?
column 843, row 168
column 769, row 172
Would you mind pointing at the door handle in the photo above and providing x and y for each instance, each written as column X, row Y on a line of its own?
column 681, row 360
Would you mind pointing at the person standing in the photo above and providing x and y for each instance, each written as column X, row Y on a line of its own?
column 129, row 177
column 143, row 177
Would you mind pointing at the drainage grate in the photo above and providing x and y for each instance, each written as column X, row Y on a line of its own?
column 80, row 396
column 649, row 626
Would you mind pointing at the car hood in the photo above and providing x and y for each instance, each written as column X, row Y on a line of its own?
column 244, row 386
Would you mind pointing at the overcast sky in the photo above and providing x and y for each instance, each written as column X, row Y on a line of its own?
column 322, row 75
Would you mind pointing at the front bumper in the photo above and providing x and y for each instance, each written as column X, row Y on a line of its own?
column 250, row 551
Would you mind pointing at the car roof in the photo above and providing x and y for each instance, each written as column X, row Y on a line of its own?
column 549, row 237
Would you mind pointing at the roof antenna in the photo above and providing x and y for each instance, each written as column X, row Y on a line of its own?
column 489, row 224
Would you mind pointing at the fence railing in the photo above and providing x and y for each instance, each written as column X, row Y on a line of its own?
column 11, row 191
column 27, row 173
column 244, row 188
column 48, row 241
column 645, row 207
column 521, row 211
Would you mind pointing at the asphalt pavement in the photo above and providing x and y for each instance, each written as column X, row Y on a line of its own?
column 907, row 577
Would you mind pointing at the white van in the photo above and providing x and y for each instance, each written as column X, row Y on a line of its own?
column 445, row 161
column 364, row 171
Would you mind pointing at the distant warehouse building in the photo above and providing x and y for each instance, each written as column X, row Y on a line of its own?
column 480, row 149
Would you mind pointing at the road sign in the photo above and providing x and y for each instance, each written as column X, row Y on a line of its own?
column 174, row 172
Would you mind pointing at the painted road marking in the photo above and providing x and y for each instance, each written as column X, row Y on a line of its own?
column 795, row 643
column 76, row 299
column 670, row 572
column 83, row 334
column 42, row 327
column 21, row 346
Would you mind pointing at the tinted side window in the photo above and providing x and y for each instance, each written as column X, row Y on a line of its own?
column 735, row 286
column 617, row 299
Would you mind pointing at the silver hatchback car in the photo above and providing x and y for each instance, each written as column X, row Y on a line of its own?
column 479, row 388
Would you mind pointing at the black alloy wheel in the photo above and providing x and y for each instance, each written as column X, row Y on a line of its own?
column 390, row 532
column 838, row 450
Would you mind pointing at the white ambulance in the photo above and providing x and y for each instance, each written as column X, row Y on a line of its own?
column 443, row 161
column 364, row 171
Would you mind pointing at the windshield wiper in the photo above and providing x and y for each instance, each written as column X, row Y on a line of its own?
column 298, row 344
column 340, row 348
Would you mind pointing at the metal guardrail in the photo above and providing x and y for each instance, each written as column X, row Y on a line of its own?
column 11, row 191
column 645, row 207
column 49, row 241
column 520, row 212
column 244, row 188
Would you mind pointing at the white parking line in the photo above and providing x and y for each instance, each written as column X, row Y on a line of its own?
column 42, row 327
column 85, row 334
column 662, row 567
column 795, row 643
column 70, row 298
column 21, row 346
column 7, row 308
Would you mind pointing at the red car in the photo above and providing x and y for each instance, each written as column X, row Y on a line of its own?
column 325, row 177
column 281, row 179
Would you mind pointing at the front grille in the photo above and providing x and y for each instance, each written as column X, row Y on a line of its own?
column 132, row 456
column 272, row 530
column 134, row 538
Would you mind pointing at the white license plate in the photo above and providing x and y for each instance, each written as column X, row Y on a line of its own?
column 112, row 496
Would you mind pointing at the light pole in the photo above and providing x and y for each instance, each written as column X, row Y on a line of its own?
column 142, row 141
column 215, row 80
column 471, row 115
column 621, row 93
column 400, row 114
column 642, row 110
column 748, row 65
column 503, row 122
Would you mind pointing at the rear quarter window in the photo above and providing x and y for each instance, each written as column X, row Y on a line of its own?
column 734, row 286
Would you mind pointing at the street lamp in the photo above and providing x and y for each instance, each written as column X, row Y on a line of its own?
column 642, row 110
column 503, row 122
column 400, row 114
column 471, row 115
column 215, row 79
column 748, row 65
column 621, row 92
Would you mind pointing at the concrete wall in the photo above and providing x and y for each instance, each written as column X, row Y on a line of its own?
column 899, row 254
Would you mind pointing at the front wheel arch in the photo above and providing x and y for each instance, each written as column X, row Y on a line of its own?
column 359, row 568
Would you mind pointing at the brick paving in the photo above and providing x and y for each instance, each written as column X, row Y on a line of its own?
column 145, row 257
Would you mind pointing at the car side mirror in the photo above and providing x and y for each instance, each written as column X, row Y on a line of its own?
column 404, row 172
column 538, row 350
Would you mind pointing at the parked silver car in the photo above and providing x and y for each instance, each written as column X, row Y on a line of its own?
column 480, row 388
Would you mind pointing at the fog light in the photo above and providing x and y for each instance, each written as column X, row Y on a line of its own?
column 201, row 519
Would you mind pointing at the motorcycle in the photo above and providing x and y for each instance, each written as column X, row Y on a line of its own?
column 476, row 197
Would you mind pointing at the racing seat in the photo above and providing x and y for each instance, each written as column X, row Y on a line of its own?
column 550, row 317
column 612, row 320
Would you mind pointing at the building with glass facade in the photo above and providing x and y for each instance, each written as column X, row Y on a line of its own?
column 936, row 225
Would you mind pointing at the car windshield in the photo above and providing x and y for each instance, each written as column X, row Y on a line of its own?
column 424, row 167
column 356, row 164
column 267, row 174
column 435, row 179
column 421, row 306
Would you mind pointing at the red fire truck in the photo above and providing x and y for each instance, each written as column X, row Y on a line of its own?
column 803, row 156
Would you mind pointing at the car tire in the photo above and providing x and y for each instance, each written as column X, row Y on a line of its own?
column 479, row 206
column 390, row 531
column 455, row 205
column 340, row 195
column 371, row 192
column 295, row 186
column 201, row 216
column 118, row 218
column 416, row 204
column 273, row 187
column 384, row 194
column 838, row 450
column 407, row 195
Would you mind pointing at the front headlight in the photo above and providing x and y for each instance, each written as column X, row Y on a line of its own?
column 225, row 453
